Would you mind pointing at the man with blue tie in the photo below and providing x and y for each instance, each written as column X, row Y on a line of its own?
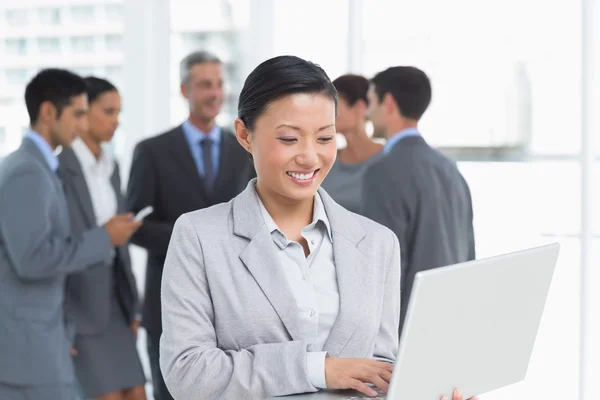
column 195, row 165
column 37, row 249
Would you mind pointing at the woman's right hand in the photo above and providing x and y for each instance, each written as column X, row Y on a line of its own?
column 354, row 373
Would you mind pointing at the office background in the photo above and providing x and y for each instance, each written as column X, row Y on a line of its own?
column 514, row 103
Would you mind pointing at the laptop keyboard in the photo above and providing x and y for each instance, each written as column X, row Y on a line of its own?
column 380, row 395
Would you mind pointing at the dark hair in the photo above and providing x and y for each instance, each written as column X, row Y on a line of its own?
column 96, row 87
column 278, row 77
column 352, row 88
column 409, row 86
column 57, row 86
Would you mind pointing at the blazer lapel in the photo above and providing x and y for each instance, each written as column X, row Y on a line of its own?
column 74, row 177
column 261, row 259
column 180, row 150
column 352, row 270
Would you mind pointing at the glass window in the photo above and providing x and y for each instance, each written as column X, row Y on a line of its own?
column 49, row 15
column 496, row 81
column 49, row 45
column 114, row 42
column 522, row 204
column 83, row 14
column 217, row 35
column 83, row 44
column 16, row 76
column 84, row 71
column 113, row 72
column 114, row 12
column 16, row 17
column 17, row 47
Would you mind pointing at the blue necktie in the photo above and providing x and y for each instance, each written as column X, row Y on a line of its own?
column 208, row 163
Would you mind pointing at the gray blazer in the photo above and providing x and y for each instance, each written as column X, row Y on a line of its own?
column 37, row 251
column 230, row 319
column 89, row 293
column 421, row 195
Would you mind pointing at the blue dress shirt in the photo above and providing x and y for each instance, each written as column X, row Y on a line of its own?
column 194, row 136
column 44, row 147
column 398, row 137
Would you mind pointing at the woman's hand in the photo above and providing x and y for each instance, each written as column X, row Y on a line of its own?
column 457, row 395
column 353, row 373
column 135, row 326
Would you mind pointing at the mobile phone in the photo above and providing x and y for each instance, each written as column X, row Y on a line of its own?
column 143, row 213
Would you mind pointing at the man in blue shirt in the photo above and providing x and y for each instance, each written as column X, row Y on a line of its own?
column 37, row 249
column 195, row 165
column 413, row 189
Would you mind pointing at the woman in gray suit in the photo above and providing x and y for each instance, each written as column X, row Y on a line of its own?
column 281, row 290
column 101, row 301
column 344, row 181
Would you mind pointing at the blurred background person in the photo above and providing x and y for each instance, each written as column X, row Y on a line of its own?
column 413, row 189
column 38, row 248
column 103, row 302
column 344, row 182
column 195, row 165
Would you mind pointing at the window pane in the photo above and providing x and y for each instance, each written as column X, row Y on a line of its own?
column 496, row 81
column 82, row 14
column 49, row 45
column 84, row 71
column 516, row 205
column 114, row 12
column 83, row 44
column 218, row 33
column 306, row 29
column 17, row 47
column 114, row 42
column 16, row 76
column 16, row 17
column 517, row 200
column 49, row 15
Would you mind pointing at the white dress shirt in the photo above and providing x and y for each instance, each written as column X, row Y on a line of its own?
column 97, row 175
column 313, row 282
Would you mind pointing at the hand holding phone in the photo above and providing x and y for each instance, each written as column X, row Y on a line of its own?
column 143, row 213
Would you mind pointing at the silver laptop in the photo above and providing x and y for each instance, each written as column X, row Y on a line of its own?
column 472, row 325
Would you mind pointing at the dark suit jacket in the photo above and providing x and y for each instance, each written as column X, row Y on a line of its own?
column 165, row 176
column 89, row 293
column 421, row 195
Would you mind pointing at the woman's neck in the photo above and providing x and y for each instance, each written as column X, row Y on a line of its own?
column 94, row 146
column 291, row 216
column 359, row 147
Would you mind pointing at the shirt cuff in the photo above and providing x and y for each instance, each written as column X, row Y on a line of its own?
column 315, row 366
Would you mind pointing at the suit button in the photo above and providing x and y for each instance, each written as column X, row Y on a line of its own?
column 311, row 312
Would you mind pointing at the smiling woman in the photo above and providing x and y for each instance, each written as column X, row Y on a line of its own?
column 264, row 295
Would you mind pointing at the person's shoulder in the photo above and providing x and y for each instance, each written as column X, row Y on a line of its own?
column 21, row 164
column 160, row 139
column 209, row 220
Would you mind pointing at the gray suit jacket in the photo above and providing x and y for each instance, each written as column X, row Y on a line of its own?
column 421, row 195
column 37, row 251
column 89, row 292
column 230, row 319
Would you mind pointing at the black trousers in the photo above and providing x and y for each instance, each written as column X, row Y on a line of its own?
column 158, row 383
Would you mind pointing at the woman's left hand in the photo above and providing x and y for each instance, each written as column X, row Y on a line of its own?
column 457, row 395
